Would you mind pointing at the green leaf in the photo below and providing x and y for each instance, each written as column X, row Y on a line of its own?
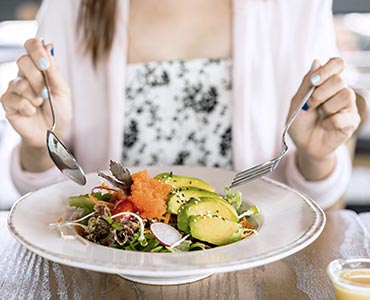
column 102, row 197
column 108, row 219
column 157, row 249
column 117, row 226
column 253, row 210
column 197, row 246
column 185, row 245
column 234, row 199
column 97, row 195
column 106, row 197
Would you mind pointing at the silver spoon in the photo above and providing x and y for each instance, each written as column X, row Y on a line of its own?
column 62, row 158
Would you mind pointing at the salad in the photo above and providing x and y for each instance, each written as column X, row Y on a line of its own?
column 166, row 213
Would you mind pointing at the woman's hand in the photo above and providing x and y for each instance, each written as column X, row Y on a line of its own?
column 26, row 105
column 327, row 121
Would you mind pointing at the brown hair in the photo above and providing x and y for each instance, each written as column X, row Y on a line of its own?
column 97, row 22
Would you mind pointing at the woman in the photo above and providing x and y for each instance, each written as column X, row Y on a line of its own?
column 105, row 50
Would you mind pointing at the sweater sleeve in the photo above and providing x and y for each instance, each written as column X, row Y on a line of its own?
column 28, row 181
column 327, row 191
column 52, row 18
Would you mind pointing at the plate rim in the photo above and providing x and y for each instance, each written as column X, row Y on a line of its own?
column 296, row 245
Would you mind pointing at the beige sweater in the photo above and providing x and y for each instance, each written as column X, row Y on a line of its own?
column 275, row 42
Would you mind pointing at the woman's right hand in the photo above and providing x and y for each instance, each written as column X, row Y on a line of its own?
column 25, row 101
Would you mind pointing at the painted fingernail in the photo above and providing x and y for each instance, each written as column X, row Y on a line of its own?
column 43, row 63
column 315, row 79
column 52, row 49
column 305, row 106
column 45, row 94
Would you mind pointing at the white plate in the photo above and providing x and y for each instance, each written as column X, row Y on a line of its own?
column 290, row 222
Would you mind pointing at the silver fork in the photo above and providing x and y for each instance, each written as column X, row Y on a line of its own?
column 268, row 166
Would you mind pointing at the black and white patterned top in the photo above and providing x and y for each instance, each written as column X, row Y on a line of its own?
column 178, row 112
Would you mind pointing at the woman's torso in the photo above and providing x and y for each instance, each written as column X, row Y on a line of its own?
column 190, row 42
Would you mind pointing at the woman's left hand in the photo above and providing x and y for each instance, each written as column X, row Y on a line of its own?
column 328, row 120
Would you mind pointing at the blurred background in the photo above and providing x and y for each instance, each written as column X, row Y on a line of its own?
column 352, row 21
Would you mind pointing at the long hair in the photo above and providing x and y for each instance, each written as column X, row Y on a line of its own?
column 97, row 22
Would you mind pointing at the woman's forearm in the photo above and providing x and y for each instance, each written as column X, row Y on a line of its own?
column 34, row 159
column 314, row 169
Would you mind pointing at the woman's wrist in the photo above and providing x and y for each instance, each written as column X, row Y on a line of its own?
column 34, row 159
column 315, row 169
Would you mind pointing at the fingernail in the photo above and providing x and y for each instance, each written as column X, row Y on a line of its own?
column 305, row 106
column 43, row 63
column 52, row 51
column 315, row 79
column 44, row 93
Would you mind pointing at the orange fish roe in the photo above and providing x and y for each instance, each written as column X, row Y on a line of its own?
column 149, row 195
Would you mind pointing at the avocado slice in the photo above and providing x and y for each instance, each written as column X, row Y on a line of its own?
column 205, row 206
column 215, row 230
column 183, row 195
column 183, row 181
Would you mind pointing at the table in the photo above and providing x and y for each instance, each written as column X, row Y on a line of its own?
column 24, row 275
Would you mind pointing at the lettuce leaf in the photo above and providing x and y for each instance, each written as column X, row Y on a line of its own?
column 234, row 199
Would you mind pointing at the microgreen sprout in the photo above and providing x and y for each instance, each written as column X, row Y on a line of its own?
column 177, row 243
column 253, row 210
column 72, row 222
column 141, row 239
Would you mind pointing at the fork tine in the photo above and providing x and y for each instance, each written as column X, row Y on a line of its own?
column 250, row 175
column 249, row 178
column 255, row 172
column 252, row 172
column 264, row 165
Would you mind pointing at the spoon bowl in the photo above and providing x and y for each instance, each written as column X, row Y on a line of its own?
column 63, row 159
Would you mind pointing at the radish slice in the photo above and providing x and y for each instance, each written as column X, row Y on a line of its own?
column 165, row 234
